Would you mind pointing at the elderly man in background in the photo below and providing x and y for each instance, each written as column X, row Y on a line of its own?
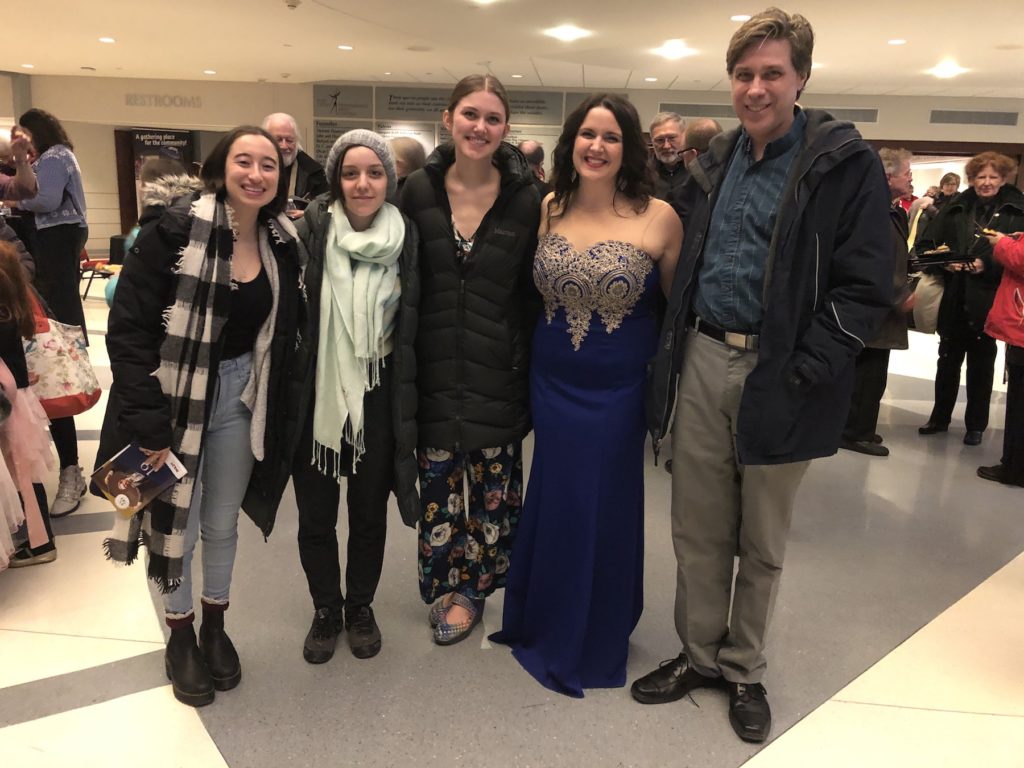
column 667, row 140
column 302, row 177
column 22, row 184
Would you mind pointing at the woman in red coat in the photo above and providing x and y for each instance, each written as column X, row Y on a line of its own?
column 1006, row 322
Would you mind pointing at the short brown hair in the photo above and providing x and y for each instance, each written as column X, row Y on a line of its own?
column 774, row 24
column 950, row 178
column 473, row 83
column 14, row 302
column 1003, row 165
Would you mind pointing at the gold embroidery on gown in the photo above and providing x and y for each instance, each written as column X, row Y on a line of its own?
column 607, row 278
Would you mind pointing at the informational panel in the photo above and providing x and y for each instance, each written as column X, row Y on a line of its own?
column 411, row 103
column 536, row 107
column 343, row 101
column 424, row 133
column 326, row 132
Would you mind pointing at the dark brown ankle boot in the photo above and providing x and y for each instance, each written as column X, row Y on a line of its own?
column 221, row 657
column 186, row 669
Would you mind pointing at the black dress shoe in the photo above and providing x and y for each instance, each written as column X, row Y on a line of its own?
column 363, row 632
column 876, row 438
column 219, row 652
column 672, row 680
column 186, row 669
column 864, row 446
column 995, row 473
column 973, row 437
column 749, row 713
column 932, row 428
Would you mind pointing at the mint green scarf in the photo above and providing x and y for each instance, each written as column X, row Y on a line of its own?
column 358, row 306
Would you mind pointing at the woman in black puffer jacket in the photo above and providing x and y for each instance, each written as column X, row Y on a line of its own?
column 477, row 213
column 991, row 203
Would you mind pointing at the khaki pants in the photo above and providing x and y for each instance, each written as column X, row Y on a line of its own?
column 722, row 509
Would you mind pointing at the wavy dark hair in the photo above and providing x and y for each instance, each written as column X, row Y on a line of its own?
column 45, row 130
column 215, row 167
column 634, row 180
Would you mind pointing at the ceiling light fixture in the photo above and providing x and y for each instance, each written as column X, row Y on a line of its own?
column 946, row 69
column 107, row 40
column 817, row 65
column 898, row 41
column 650, row 79
column 674, row 49
column 387, row 73
column 28, row 66
column 567, row 33
column 345, row 48
column 484, row 2
column 740, row 17
column 209, row 71
column 517, row 77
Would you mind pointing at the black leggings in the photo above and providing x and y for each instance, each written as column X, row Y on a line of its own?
column 65, row 439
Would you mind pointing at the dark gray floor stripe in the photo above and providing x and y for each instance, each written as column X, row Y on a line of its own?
column 88, row 434
column 53, row 695
column 93, row 522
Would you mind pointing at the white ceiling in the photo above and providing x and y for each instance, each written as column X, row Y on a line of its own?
column 438, row 41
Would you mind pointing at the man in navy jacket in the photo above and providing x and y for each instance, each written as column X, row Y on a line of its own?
column 785, row 272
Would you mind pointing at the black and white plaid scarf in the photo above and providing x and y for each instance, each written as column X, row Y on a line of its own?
column 192, row 322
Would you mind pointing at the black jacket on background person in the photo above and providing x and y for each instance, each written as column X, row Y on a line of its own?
column 310, row 179
column 968, row 296
column 312, row 230
column 828, row 284
column 137, row 409
column 668, row 181
column 476, row 315
column 892, row 333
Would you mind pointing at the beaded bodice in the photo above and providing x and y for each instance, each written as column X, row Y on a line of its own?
column 608, row 278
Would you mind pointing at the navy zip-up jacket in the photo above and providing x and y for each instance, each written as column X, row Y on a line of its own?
column 828, row 285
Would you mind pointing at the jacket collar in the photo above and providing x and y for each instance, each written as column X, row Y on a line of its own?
column 507, row 159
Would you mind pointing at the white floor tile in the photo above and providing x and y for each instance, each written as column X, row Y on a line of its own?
column 148, row 728
column 80, row 593
column 840, row 735
column 966, row 660
column 40, row 656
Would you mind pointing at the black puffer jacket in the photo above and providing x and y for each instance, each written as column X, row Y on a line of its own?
column 968, row 297
column 137, row 408
column 476, row 316
column 312, row 230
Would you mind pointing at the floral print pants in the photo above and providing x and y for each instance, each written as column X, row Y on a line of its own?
column 464, row 548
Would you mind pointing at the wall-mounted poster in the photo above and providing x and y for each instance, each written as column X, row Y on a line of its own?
column 343, row 101
column 326, row 132
column 422, row 132
column 178, row 146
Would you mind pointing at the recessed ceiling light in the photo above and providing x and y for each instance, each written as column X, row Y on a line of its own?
column 345, row 48
column 107, row 40
column 517, row 77
column 387, row 73
column 898, row 41
column 946, row 69
column 674, row 49
column 567, row 33
column 817, row 65
column 740, row 17
column 28, row 66
column 209, row 71
column 650, row 79
column 484, row 2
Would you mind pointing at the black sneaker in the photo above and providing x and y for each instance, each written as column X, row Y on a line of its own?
column 749, row 713
column 363, row 632
column 323, row 636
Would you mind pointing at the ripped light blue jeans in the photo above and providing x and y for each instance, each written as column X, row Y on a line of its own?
column 224, row 471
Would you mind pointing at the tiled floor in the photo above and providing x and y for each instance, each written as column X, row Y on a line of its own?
column 897, row 640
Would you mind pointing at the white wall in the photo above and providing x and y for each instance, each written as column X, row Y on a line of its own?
column 92, row 107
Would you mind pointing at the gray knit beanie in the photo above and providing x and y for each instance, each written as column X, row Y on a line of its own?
column 361, row 137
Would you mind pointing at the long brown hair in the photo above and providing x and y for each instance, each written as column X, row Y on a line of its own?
column 14, row 301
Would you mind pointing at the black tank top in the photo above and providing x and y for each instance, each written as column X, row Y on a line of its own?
column 250, row 306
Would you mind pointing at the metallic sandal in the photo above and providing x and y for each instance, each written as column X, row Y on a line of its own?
column 437, row 612
column 449, row 634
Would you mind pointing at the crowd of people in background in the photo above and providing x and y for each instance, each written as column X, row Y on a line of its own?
column 400, row 322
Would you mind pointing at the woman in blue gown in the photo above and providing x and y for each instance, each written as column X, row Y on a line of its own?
column 575, row 588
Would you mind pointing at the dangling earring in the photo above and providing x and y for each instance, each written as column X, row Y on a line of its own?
column 573, row 176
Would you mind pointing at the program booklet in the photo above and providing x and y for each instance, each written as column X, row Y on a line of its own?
column 130, row 483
